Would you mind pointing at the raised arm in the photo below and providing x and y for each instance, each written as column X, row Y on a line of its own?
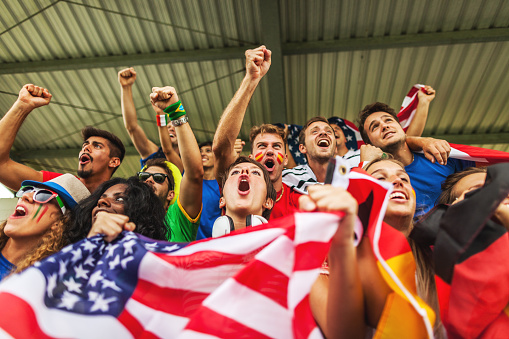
column 144, row 146
column 191, row 185
column 12, row 173
column 167, row 145
column 257, row 64
column 337, row 302
column 426, row 96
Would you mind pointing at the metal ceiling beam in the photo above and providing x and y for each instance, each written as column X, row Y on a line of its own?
column 271, row 35
column 385, row 42
column 398, row 41
column 465, row 139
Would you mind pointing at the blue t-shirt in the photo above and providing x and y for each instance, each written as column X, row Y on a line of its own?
column 427, row 177
column 210, row 211
column 155, row 155
column 5, row 267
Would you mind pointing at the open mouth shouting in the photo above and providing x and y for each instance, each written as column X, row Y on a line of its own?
column 269, row 165
column 323, row 143
column 243, row 187
column 398, row 196
column 19, row 212
column 85, row 158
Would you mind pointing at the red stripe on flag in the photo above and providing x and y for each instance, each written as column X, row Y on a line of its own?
column 134, row 326
column 311, row 255
column 174, row 301
column 24, row 315
column 306, row 322
column 206, row 259
column 215, row 324
column 265, row 280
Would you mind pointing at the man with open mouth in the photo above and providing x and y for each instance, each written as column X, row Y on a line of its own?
column 101, row 154
column 317, row 141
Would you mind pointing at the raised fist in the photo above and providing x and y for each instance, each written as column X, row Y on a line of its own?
column 127, row 77
column 426, row 94
column 34, row 96
column 258, row 62
column 162, row 97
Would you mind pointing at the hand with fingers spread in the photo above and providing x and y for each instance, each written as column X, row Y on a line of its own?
column 110, row 225
column 162, row 97
column 426, row 94
column 239, row 145
column 32, row 96
column 257, row 62
column 127, row 77
column 436, row 150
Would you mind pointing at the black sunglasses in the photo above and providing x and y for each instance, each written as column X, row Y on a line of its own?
column 158, row 177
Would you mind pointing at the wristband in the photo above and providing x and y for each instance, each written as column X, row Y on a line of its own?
column 180, row 121
column 175, row 110
column 162, row 120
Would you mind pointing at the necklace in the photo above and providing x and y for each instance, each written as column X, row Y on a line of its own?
column 282, row 192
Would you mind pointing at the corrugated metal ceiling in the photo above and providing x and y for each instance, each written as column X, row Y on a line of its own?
column 336, row 56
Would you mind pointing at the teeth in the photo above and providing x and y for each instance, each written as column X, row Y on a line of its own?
column 397, row 195
column 21, row 210
column 323, row 143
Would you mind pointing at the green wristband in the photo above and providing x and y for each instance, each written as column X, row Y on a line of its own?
column 175, row 110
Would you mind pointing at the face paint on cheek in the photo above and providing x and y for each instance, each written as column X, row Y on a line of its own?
column 43, row 213
column 259, row 156
column 279, row 158
column 37, row 212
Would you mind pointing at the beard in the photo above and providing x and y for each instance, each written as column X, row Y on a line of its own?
column 395, row 146
column 84, row 174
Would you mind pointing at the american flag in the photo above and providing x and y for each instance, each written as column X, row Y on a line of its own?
column 253, row 283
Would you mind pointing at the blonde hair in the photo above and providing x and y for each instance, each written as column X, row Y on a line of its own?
column 51, row 242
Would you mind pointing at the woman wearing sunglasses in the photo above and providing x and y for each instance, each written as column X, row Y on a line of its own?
column 35, row 229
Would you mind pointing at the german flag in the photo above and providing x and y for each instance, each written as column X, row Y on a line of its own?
column 470, row 256
column 405, row 315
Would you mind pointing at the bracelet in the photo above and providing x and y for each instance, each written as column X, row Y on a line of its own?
column 162, row 120
column 180, row 121
column 175, row 110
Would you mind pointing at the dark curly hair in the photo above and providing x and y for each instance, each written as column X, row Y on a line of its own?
column 141, row 205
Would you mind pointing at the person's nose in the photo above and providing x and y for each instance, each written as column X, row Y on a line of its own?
column 103, row 202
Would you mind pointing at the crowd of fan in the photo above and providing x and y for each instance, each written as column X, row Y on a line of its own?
column 187, row 191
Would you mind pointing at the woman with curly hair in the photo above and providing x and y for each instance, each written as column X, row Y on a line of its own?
column 35, row 229
column 116, row 205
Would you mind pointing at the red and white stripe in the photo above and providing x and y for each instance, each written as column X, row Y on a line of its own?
column 409, row 107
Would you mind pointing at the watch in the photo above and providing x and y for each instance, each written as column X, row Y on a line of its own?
column 180, row 121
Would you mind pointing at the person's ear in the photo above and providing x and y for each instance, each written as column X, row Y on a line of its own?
column 285, row 160
column 114, row 162
column 302, row 149
column 222, row 202
column 170, row 195
column 268, row 204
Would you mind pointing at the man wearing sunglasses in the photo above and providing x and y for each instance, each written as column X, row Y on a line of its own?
column 101, row 153
column 180, row 195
